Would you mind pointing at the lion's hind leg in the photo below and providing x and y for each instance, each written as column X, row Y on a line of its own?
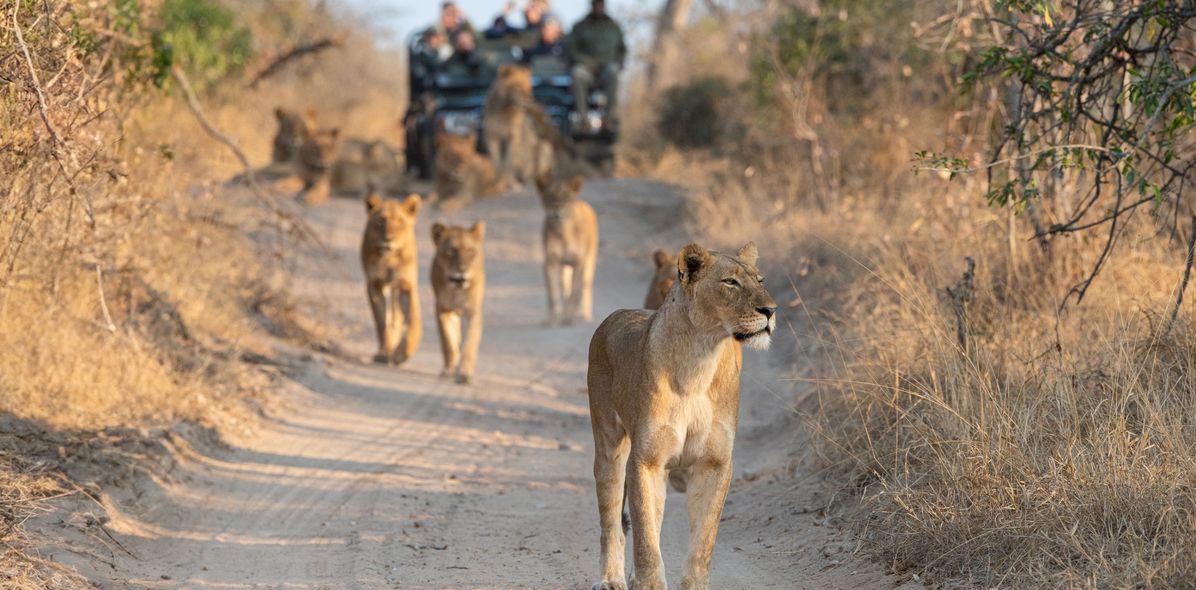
column 611, row 449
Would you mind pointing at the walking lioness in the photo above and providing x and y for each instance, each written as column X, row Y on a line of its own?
column 389, row 260
column 459, row 281
column 664, row 397
column 520, row 136
column 570, row 250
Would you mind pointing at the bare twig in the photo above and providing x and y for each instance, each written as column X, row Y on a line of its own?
column 1179, row 298
column 295, row 53
column 193, row 104
column 108, row 325
column 961, row 294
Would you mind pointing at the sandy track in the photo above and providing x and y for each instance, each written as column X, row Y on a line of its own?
column 372, row 477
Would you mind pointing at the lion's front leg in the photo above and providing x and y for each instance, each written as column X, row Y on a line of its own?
column 707, row 487
column 469, row 348
column 379, row 296
column 647, row 492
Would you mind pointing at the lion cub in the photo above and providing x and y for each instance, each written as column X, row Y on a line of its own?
column 388, row 257
column 459, row 281
column 570, row 250
column 662, row 280
column 664, row 398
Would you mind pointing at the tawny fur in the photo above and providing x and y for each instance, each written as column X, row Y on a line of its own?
column 662, row 279
column 570, row 250
column 363, row 166
column 664, row 399
column 520, row 137
column 459, row 282
column 389, row 259
column 462, row 174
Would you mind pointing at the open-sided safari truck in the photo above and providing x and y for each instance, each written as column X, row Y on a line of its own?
column 454, row 102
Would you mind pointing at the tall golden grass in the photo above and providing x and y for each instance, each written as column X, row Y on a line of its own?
column 132, row 281
column 1047, row 446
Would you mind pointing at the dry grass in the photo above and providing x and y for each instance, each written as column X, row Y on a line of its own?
column 132, row 283
column 1049, row 449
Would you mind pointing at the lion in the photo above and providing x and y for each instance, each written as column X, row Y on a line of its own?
column 389, row 259
column 570, row 250
column 315, row 155
column 293, row 127
column 520, row 137
column 662, row 280
column 459, row 282
column 364, row 166
column 461, row 173
column 664, row 398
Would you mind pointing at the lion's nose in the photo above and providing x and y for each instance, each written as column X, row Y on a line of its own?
column 767, row 311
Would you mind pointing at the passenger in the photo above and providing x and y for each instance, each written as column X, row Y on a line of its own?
column 452, row 20
column 465, row 61
column 550, row 44
column 428, row 55
column 597, row 51
column 534, row 15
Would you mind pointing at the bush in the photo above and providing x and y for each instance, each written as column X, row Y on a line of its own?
column 205, row 39
column 699, row 113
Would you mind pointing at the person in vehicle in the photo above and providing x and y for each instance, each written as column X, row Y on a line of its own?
column 597, row 51
column 550, row 44
column 427, row 56
column 534, row 16
column 452, row 21
column 465, row 60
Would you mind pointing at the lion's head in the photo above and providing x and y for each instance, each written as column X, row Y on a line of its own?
column 727, row 291
column 662, row 280
column 514, row 79
column 392, row 222
column 554, row 195
column 316, row 154
column 458, row 252
column 293, row 127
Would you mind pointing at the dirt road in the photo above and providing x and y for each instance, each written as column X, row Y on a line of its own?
column 374, row 477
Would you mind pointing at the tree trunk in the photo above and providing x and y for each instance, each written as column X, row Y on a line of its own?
column 673, row 18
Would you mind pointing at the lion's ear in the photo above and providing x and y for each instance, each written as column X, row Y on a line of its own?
column 748, row 254
column 478, row 230
column 373, row 202
column 334, row 132
column 438, row 230
column 412, row 203
column 543, row 182
column 690, row 263
column 576, row 183
column 662, row 259
column 279, row 113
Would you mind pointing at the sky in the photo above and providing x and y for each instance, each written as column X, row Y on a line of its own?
column 400, row 18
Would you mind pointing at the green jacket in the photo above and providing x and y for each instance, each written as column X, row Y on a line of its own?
column 596, row 40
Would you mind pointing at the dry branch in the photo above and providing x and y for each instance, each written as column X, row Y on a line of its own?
column 295, row 53
column 1183, row 286
column 193, row 104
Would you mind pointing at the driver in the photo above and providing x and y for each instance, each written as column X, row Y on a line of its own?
column 551, row 42
column 597, row 51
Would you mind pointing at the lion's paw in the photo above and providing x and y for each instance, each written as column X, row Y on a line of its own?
column 609, row 586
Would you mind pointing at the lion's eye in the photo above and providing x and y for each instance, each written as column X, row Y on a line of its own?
column 731, row 282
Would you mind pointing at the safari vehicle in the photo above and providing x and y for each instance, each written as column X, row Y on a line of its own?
column 456, row 104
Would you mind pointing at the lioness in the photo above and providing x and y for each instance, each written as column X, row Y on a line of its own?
column 388, row 257
column 461, row 173
column 293, row 127
column 664, row 397
column 459, row 281
column 570, row 249
column 315, row 155
column 363, row 166
column 520, row 137
column 662, row 280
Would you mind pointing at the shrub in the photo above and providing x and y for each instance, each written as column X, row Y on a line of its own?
column 698, row 113
column 205, row 39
